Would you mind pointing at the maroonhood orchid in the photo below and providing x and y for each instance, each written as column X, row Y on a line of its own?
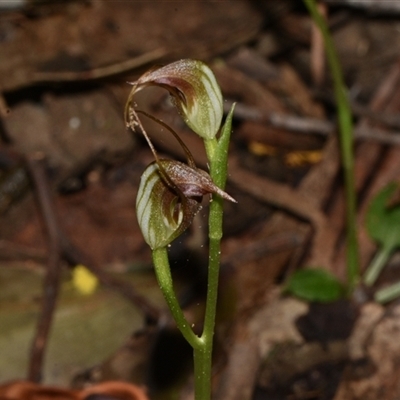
column 170, row 192
column 194, row 90
column 169, row 197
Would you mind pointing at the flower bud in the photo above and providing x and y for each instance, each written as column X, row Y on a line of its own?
column 195, row 93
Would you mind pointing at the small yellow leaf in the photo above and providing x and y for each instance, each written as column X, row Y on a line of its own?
column 83, row 280
column 301, row 158
column 262, row 149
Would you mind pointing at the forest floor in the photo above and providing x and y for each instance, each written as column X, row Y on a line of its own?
column 69, row 173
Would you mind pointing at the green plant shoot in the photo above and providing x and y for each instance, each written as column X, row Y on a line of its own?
column 170, row 192
column 346, row 144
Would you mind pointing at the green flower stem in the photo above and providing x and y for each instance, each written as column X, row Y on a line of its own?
column 202, row 372
column 203, row 354
column 378, row 262
column 217, row 153
column 346, row 144
column 163, row 273
column 388, row 293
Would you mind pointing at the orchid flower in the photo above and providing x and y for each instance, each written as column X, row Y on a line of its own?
column 194, row 91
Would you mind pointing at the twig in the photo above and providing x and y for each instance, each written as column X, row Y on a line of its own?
column 388, row 119
column 280, row 120
column 379, row 135
column 370, row 5
column 51, row 283
column 101, row 72
column 317, row 126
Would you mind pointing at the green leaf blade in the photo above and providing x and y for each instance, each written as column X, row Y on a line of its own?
column 315, row 285
column 383, row 222
column 383, row 225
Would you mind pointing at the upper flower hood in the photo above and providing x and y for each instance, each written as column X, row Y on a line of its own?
column 195, row 93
